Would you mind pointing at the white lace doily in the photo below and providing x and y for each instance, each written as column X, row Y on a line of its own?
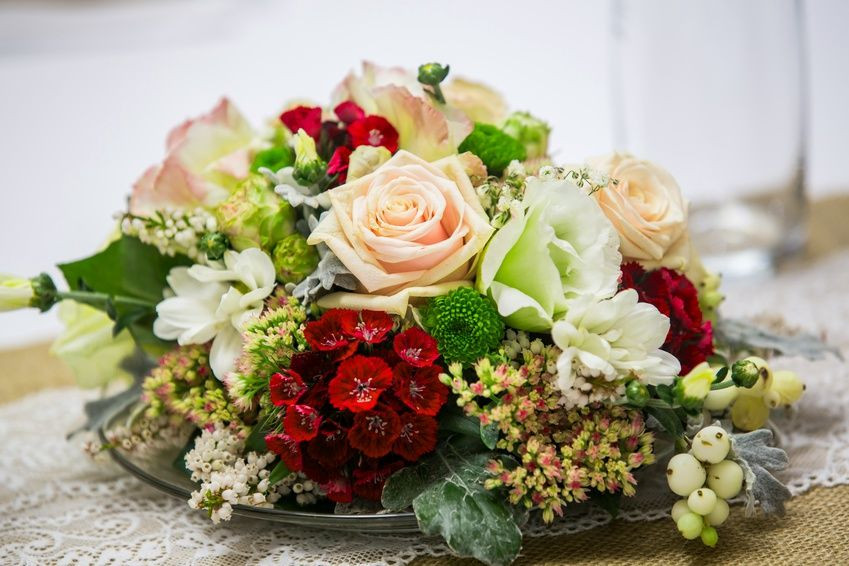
column 58, row 507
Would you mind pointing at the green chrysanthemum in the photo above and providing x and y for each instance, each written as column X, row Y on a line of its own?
column 465, row 324
column 495, row 148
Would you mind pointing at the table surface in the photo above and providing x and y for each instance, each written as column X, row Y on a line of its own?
column 816, row 528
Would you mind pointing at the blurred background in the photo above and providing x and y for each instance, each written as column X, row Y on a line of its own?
column 737, row 98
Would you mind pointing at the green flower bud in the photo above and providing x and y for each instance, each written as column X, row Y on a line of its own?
column 309, row 167
column 294, row 259
column 691, row 390
column 44, row 292
column 214, row 244
column 745, row 373
column 255, row 216
column 637, row 393
column 432, row 74
column 530, row 131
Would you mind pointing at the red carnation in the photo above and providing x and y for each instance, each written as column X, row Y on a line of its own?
column 374, row 432
column 420, row 388
column 417, row 437
column 690, row 338
column 303, row 118
column 368, row 326
column 338, row 488
column 326, row 334
column 285, row 387
column 330, row 446
column 338, row 164
column 287, row 448
column 349, row 112
column 301, row 422
column 358, row 383
column 368, row 483
column 416, row 347
column 375, row 131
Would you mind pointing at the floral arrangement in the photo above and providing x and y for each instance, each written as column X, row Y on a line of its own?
column 399, row 302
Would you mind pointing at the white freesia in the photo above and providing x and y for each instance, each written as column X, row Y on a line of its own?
column 214, row 303
column 606, row 342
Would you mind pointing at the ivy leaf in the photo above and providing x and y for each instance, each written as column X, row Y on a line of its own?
column 758, row 459
column 742, row 335
column 448, row 497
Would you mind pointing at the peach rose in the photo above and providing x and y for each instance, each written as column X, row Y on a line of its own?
column 405, row 227
column 647, row 209
column 205, row 158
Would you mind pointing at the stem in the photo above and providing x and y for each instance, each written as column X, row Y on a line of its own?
column 437, row 93
column 89, row 296
column 658, row 404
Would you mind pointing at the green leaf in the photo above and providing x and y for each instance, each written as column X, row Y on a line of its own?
column 717, row 360
column 741, row 335
column 495, row 148
column 459, row 423
column 720, row 375
column 255, row 442
column 608, row 501
column 665, row 393
column 179, row 462
column 489, row 435
column 448, row 497
column 279, row 472
column 668, row 419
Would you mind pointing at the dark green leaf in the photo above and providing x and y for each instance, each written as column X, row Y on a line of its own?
column 255, row 442
column 668, row 419
column 741, row 335
column 720, row 375
column 489, row 435
column 717, row 360
column 608, row 501
column 459, row 423
column 279, row 472
column 665, row 393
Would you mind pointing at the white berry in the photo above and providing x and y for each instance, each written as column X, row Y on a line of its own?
column 702, row 501
column 772, row 399
column 711, row 444
column 690, row 525
column 685, row 474
column 788, row 385
column 680, row 508
column 726, row 479
column 719, row 513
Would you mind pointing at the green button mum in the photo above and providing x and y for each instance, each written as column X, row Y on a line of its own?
column 465, row 324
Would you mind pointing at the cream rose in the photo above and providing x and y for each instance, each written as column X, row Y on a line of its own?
column 646, row 208
column 405, row 227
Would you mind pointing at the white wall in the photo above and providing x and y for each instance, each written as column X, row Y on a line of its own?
column 88, row 90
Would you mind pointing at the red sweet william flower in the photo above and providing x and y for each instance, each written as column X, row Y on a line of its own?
column 338, row 488
column 374, row 432
column 301, row 422
column 326, row 334
column 370, row 327
column 375, row 131
column 690, row 337
column 416, row 347
column 330, row 446
column 369, row 482
column 358, row 383
column 285, row 387
column 287, row 448
column 417, row 436
column 312, row 366
column 305, row 118
column 349, row 112
column 420, row 388
column 338, row 164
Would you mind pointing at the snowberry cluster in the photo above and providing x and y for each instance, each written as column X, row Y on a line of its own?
column 707, row 479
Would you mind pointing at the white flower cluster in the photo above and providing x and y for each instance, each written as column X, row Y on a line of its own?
column 499, row 198
column 145, row 436
column 172, row 230
column 305, row 490
column 214, row 451
column 585, row 178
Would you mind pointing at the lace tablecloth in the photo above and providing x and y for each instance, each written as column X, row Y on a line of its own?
column 58, row 507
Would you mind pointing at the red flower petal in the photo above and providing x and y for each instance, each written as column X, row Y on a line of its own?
column 287, row 448
column 370, row 327
column 417, row 437
column 338, row 489
column 303, row 117
column 301, row 422
column 338, row 164
column 312, row 366
column 368, row 483
column 330, row 447
column 416, row 347
column 374, row 432
column 375, row 131
column 348, row 112
column 359, row 382
column 325, row 334
column 420, row 388
column 285, row 387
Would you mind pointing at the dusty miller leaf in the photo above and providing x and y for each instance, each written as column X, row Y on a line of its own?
column 758, row 459
column 741, row 335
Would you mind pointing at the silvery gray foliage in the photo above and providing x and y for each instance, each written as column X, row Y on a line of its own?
column 758, row 459
column 293, row 192
column 741, row 335
column 329, row 272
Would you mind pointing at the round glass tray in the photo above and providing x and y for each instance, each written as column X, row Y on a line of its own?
column 157, row 471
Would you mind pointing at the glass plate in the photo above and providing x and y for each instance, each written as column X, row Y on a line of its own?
column 157, row 471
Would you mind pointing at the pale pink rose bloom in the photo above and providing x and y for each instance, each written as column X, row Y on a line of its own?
column 430, row 131
column 405, row 227
column 205, row 158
